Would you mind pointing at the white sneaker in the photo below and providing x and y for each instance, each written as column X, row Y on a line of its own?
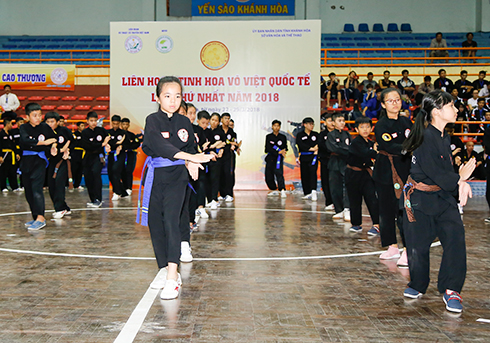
column 170, row 290
column 272, row 193
column 115, row 197
column 346, row 214
column 214, row 205
column 220, row 198
column 330, row 207
column 18, row 190
column 59, row 214
column 129, row 191
column 314, row 196
column 21, row 189
column 160, row 279
column 229, row 198
column 5, row 190
column 80, row 188
column 185, row 252
column 460, row 208
column 202, row 213
column 284, row 194
column 339, row 215
column 307, row 197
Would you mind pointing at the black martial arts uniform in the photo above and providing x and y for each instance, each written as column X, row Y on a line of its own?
column 390, row 134
column 274, row 161
column 58, row 170
column 214, row 167
column 338, row 144
column 308, row 160
column 8, row 169
column 226, row 174
column 130, row 152
column 34, row 163
column 198, row 196
column 359, row 182
column 93, row 161
column 77, row 153
column 115, row 162
column 324, row 157
column 16, row 135
column 164, row 137
column 436, row 215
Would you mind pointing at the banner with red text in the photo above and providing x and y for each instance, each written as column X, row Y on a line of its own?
column 257, row 71
column 39, row 76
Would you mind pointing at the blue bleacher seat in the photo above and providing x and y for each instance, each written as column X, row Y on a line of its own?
column 394, row 44
column 360, row 38
column 9, row 46
column 406, row 27
column 378, row 28
column 345, row 38
column 85, row 40
column 349, row 28
column 329, row 39
column 18, row 55
column 68, row 46
column 78, row 54
column 420, row 38
column 406, row 38
column 393, row 27
column 96, row 46
column 412, row 44
column 82, row 46
column 363, row 27
column 363, row 44
column 24, row 46
column 32, row 55
column 100, row 39
column 62, row 55
column 375, row 38
column 378, row 44
column 459, row 37
column 335, row 52
column 53, row 46
column 72, row 39
column 348, row 44
column 39, row 46
column 57, row 39
column 391, row 38
column 331, row 45
column 455, row 44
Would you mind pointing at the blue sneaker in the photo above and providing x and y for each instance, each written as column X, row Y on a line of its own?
column 412, row 293
column 374, row 231
column 357, row 229
column 453, row 301
column 37, row 225
column 29, row 223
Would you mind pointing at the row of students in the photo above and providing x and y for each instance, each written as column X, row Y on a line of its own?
column 10, row 152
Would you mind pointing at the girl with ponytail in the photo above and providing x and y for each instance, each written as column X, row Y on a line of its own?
column 429, row 200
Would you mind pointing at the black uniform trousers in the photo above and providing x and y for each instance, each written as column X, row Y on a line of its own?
column 272, row 171
column 115, row 172
column 33, row 175
column 57, row 185
column 185, row 216
column 389, row 212
column 76, row 162
column 487, row 174
column 226, row 177
column 419, row 236
column 360, row 185
column 214, row 174
column 128, row 170
column 92, row 168
column 337, row 190
column 8, row 171
column 193, row 200
column 203, row 186
column 164, row 213
column 308, row 173
column 324, row 174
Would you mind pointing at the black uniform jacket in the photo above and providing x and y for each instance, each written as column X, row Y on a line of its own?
column 92, row 140
column 338, row 144
column 361, row 153
column 272, row 140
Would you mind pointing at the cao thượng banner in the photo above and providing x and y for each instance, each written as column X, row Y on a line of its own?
column 39, row 76
column 227, row 8
column 257, row 71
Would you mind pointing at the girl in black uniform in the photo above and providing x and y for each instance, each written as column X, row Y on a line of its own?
column 430, row 206
column 391, row 171
column 169, row 144
column 217, row 142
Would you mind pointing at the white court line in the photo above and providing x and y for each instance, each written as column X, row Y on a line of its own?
column 483, row 320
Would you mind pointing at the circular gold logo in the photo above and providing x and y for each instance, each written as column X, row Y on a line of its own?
column 215, row 55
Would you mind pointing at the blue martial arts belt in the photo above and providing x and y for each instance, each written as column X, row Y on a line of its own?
column 310, row 153
column 41, row 154
column 278, row 162
column 150, row 163
column 115, row 156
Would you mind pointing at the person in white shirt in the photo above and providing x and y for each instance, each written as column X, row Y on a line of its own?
column 9, row 100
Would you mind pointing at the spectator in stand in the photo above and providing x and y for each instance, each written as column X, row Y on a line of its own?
column 9, row 101
column 61, row 122
column 385, row 82
column 438, row 42
column 469, row 43
column 464, row 86
column 351, row 88
column 372, row 104
column 478, row 114
column 481, row 83
column 443, row 83
column 456, row 98
column 469, row 153
column 424, row 88
column 332, row 86
column 406, row 85
column 473, row 102
column 369, row 81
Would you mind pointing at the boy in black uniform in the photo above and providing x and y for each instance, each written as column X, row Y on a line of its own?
column 324, row 156
column 16, row 134
column 131, row 144
column 338, row 142
column 58, row 165
column 203, row 181
column 226, row 181
column 94, row 139
column 77, row 153
column 307, row 142
column 116, row 159
column 358, row 177
column 276, row 146
column 9, row 154
column 36, row 139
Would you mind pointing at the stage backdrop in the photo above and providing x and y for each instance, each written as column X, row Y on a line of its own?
column 257, row 71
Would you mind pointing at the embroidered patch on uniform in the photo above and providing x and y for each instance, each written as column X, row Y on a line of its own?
column 61, row 139
column 386, row 137
column 217, row 137
column 414, row 159
column 453, row 147
column 347, row 141
column 41, row 138
column 197, row 137
column 407, row 132
column 119, row 137
column 303, row 138
column 165, row 134
column 313, row 138
column 229, row 136
column 279, row 143
column 183, row 135
column 337, row 139
column 99, row 138
column 394, row 134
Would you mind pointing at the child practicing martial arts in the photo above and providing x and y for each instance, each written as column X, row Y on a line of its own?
column 116, row 158
column 276, row 146
column 37, row 140
column 324, row 157
column 430, row 206
column 358, row 176
column 170, row 146
column 307, row 142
